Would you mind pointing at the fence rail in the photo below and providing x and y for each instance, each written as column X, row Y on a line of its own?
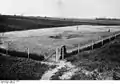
column 61, row 51
column 102, row 42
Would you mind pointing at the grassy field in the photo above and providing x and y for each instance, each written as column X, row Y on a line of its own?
column 16, row 68
column 46, row 35
column 105, row 61
column 17, row 23
column 45, row 41
column 98, row 64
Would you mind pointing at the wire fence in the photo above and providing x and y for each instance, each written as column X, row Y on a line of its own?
column 61, row 51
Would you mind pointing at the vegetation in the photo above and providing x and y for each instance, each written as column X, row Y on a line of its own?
column 15, row 23
column 15, row 68
column 103, row 62
column 15, row 53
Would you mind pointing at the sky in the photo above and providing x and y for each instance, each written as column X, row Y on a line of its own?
column 62, row 8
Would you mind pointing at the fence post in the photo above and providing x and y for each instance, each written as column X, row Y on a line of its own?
column 78, row 48
column 28, row 52
column 57, row 54
column 92, row 44
column 63, row 51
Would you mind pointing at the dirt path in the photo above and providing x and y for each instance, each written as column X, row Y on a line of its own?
column 50, row 73
column 67, row 75
column 71, row 70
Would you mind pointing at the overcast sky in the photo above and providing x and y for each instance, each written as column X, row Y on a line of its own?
column 62, row 8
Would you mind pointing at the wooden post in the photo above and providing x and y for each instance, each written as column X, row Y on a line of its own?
column 57, row 54
column 92, row 44
column 78, row 48
column 63, row 51
column 28, row 52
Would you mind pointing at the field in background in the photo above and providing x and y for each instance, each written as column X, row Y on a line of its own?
column 17, row 23
column 45, row 41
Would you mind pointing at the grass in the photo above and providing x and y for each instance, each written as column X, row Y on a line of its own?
column 105, row 60
column 42, row 44
column 14, row 68
column 17, row 23
column 81, row 76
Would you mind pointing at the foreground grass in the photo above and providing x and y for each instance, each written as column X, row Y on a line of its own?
column 14, row 68
column 99, row 64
